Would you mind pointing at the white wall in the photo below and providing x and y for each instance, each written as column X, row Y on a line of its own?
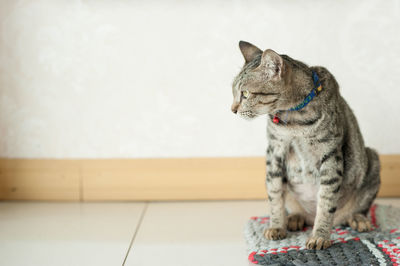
column 152, row 78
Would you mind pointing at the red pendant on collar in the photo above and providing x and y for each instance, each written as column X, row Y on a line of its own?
column 275, row 119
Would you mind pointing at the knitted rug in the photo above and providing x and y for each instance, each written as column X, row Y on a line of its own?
column 378, row 247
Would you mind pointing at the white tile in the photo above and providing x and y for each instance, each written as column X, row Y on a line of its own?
column 389, row 201
column 66, row 233
column 194, row 233
column 175, row 233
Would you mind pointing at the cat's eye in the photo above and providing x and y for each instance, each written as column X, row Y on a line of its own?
column 245, row 94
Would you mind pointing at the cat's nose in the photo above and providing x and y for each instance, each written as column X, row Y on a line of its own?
column 234, row 107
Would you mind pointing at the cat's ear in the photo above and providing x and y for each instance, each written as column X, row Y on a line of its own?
column 272, row 63
column 249, row 51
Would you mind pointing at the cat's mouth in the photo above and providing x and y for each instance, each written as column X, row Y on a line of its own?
column 247, row 114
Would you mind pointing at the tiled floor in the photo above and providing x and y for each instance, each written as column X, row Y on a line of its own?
column 141, row 234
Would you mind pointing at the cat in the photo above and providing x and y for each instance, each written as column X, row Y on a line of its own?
column 317, row 165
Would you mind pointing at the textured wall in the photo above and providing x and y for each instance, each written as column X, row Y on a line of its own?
column 152, row 78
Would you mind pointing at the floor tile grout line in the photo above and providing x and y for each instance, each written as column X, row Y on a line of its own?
column 136, row 231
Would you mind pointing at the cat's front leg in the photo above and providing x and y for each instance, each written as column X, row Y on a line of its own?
column 275, row 189
column 331, row 176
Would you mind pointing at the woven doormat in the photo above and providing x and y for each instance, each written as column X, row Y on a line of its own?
column 378, row 247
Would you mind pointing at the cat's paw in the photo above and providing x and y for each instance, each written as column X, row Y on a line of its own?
column 317, row 242
column 360, row 223
column 275, row 233
column 295, row 222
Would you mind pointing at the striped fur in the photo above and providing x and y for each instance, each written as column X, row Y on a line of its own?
column 317, row 164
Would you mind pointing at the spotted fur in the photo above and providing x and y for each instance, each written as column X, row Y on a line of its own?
column 317, row 164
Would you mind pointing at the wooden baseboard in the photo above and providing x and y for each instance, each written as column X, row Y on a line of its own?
column 150, row 179
column 37, row 179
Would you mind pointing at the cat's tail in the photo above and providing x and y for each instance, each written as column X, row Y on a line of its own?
column 372, row 179
column 374, row 166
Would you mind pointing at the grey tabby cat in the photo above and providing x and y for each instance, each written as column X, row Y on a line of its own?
column 317, row 164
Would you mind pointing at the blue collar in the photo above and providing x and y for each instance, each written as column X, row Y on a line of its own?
column 314, row 92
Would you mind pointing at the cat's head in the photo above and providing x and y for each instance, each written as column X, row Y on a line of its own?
column 262, row 86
